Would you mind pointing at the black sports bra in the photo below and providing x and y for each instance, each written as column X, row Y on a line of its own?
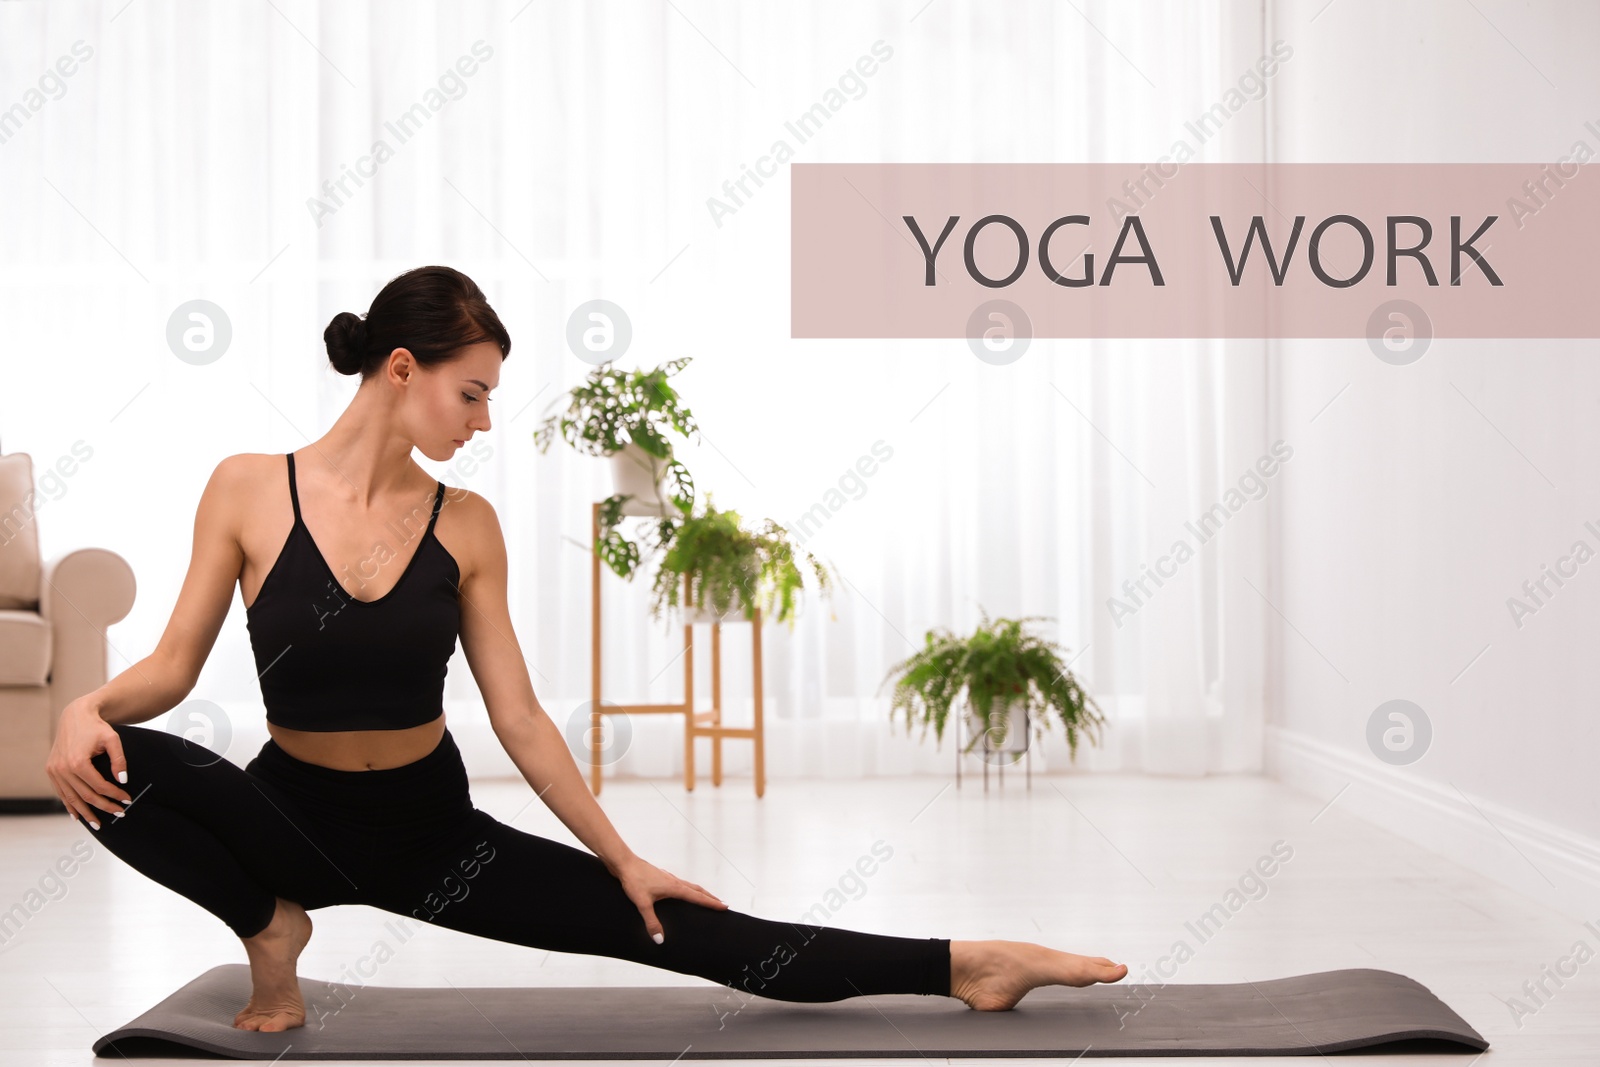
column 328, row 661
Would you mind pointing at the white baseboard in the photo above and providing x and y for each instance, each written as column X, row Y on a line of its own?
column 1553, row 865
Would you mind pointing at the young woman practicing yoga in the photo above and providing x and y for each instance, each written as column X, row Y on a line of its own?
column 360, row 795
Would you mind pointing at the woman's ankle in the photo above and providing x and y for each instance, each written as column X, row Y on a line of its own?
column 289, row 922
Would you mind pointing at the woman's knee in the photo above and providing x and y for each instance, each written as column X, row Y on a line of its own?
column 131, row 737
column 148, row 751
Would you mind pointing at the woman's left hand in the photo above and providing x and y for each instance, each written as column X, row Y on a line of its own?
column 645, row 883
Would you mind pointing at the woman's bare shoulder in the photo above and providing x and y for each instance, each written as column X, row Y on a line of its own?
column 470, row 529
column 240, row 485
column 251, row 464
column 244, row 474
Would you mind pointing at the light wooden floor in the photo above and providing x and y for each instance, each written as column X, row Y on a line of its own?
column 1113, row 866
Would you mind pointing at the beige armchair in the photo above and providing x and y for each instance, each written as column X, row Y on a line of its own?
column 53, row 620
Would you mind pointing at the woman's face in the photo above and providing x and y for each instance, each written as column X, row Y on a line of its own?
column 446, row 404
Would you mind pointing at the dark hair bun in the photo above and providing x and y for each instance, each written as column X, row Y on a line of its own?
column 346, row 338
column 432, row 312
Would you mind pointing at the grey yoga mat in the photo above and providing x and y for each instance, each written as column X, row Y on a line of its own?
column 1312, row 1013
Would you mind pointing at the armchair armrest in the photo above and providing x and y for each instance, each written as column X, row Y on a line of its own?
column 81, row 593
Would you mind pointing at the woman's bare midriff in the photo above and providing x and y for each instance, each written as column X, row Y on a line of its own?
column 360, row 750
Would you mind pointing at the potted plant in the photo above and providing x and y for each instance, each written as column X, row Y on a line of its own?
column 627, row 415
column 731, row 569
column 1007, row 675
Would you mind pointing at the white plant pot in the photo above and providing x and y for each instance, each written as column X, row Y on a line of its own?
column 638, row 474
column 1008, row 730
column 694, row 616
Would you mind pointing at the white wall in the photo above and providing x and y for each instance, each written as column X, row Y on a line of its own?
column 1425, row 495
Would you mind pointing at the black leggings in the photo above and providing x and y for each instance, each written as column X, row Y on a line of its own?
column 409, row 840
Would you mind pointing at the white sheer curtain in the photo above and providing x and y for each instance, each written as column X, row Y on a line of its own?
column 185, row 159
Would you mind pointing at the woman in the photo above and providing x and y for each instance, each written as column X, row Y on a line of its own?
column 360, row 795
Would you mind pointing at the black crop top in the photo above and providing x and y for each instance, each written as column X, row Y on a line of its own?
column 328, row 661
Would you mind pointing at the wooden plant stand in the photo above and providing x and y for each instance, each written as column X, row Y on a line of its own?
column 707, row 723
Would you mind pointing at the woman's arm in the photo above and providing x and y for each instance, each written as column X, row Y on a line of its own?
column 540, row 752
column 533, row 741
column 160, row 681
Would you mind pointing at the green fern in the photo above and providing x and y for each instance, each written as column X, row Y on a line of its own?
column 731, row 566
column 999, row 662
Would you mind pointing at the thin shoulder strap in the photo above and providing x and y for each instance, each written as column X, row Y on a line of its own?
column 438, row 498
column 294, row 495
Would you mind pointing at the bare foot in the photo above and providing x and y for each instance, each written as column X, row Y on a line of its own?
column 275, row 1002
column 994, row 975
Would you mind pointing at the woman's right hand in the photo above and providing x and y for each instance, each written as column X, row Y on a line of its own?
column 82, row 734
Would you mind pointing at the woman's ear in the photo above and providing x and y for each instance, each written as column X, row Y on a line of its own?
column 401, row 364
